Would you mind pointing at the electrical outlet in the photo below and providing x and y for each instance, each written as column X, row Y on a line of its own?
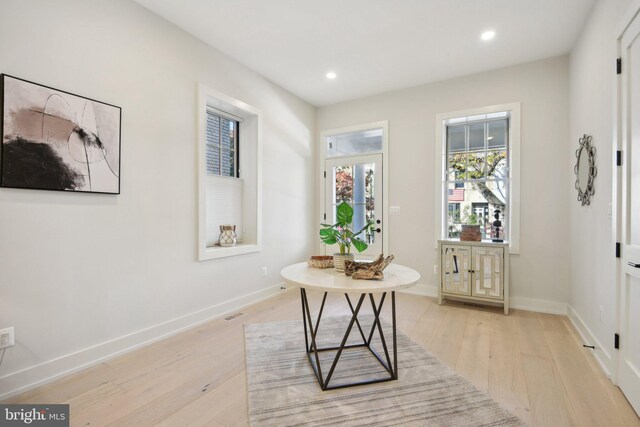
column 7, row 338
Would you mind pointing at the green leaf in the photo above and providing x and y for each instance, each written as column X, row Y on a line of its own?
column 329, row 240
column 324, row 232
column 344, row 214
column 360, row 245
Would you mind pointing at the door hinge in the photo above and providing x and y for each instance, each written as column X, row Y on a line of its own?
column 618, row 158
column 619, row 66
column 616, row 341
column 617, row 250
column 325, row 217
column 325, row 174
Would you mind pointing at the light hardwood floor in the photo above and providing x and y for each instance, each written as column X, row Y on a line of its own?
column 532, row 363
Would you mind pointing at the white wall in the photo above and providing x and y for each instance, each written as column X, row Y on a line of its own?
column 592, row 97
column 541, row 272
column 83, row 270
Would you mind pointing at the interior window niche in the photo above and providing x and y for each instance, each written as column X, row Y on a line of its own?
column 229, row 160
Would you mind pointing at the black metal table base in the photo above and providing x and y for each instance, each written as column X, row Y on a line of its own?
column 313, row 352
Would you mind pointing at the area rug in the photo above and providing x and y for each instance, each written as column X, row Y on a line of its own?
column 283, row 390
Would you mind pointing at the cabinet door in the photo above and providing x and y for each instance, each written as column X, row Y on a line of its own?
column 456, row 264
column 488, row 272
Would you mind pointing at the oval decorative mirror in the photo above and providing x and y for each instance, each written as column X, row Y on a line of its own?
column 585, row 169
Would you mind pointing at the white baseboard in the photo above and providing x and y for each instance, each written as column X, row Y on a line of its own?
column 20, row 381
column 521, row 303
column 601, row 355
column 422, row 290
column 539, row 305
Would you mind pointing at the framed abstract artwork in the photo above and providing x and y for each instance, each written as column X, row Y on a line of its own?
column 55, row 140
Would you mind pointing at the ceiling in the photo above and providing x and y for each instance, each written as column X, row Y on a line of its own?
column 376, row 46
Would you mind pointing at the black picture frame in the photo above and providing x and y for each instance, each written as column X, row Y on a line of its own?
column 92, row 128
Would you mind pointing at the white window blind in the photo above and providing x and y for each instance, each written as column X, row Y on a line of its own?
column 224, row 206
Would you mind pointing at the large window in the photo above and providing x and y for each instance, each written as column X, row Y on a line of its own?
column 477, row 173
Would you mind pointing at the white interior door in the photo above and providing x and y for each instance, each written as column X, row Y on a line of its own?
column 629, row 352
column 358, row 181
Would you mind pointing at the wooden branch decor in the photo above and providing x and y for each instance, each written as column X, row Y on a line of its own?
column 367, row 270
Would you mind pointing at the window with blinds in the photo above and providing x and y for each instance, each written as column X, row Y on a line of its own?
column 229, row 174
column 224, row 189
column 222, row 145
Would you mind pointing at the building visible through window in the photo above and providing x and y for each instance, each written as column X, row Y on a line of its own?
column 477, row 174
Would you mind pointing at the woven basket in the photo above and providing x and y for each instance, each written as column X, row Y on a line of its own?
column 320, row 261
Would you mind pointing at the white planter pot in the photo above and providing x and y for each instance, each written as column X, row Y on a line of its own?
column 338, row 261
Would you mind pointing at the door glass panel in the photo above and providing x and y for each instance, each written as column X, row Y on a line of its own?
column 344, row 184
column 354, row 184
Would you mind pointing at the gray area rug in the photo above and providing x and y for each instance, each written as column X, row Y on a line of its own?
column 283, row 390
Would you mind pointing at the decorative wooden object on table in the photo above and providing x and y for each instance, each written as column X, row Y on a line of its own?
column 320, row 261
column 367, row 270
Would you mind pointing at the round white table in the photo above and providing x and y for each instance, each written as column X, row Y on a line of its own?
column 396, row 277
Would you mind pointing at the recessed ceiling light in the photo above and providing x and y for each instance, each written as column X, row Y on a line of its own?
column 488, row 35
column 331, row 75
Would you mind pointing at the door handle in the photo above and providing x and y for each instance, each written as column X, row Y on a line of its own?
column 631, row 264
column 378, row 230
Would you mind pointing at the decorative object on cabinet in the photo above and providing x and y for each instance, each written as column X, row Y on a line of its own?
column 470, row 229
column 585, row 169
column 320, row 261
column 368, row 270
column 228, row 235
column 474, row 271
column 55, row 140
column 496, row 231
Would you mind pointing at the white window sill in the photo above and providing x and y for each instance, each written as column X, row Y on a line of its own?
column 215, row 252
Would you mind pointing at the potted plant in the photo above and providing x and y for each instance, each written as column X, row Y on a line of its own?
column 470, row 228
column 341, row 234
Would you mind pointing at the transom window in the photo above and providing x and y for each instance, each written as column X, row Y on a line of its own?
column 222, row 145
column 477, row 173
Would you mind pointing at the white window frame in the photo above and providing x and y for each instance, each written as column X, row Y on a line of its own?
column 514, row 169
column 250, row 129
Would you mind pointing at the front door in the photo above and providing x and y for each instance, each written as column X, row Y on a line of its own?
column 358, row 181
column 629, row 309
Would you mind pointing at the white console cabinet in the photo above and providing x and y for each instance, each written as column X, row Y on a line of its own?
column 474, row 271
